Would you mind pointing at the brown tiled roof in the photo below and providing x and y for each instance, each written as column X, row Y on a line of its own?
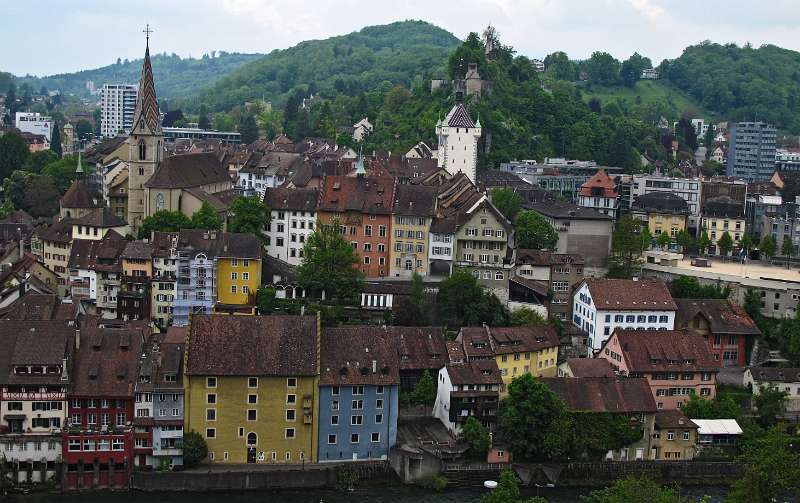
column 58, row 232
column 455, row 352
column 508, row 340
column 102, row 255
column 358, row 355
column 100, row 217
column 107, row 362
column 161, row 244
column 189, row 170
column 419, row 347
column 724, row 316
column 631, row 295
column 415, row 200
column 137, row 250
column 566, row 210
column 370, row 195
column 476, row 343
column 475, row 372
column 653, row 350
column 601, row 181
column 661, row 202
column 44, row 307
column 590, row 367
column 77, row 196
column 291, row 199
column 546, row 258
column 225, row 345
column 673, row 419
column 33, row 343
column 220, row 244
column 774, row 374
column 599, row 394
column 19, row 217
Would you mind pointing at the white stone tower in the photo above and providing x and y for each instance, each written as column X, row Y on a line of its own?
column 458, row 142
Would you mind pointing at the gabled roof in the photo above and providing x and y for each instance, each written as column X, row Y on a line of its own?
column 545, row 258
column 146, row 101
column 630, row 295
column 107, row 362
column 673, row 419
column 717, row 427
column 723, row 316
column 26, row 342
column 355, row 355
column 599, row 394
column 459, row 117
column 661, row 202
column 414, row 200
column 474, row 372
column 590, row 367
column 58, row 232
column 220, row 244
column 188, row 170
column 40, row 307
column 370, row 195
column 97, row 255
column 419, row 347
column 566, row 210
column 775, row 374
column 665, row 351
column 100, row 217
column 600, row 185
column 77, row 196
column 137, row 250
column 223, row 345
column 723, row 207
column 291, row 199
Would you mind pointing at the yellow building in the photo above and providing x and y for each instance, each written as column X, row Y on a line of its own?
column 239, row 277
column 517, row 350
column 251, row 387
column 720, row 215
column 412, row 214
column 664, row 212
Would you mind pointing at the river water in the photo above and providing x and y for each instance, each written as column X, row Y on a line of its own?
column 390, row 494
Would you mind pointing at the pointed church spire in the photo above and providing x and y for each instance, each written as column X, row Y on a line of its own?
column 360, row 171
column 146, row 101
column 79, row 169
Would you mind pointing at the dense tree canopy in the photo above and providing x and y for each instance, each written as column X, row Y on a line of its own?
column 249, row 215
column 533, row 231
column 462, row 301
column 329, row 264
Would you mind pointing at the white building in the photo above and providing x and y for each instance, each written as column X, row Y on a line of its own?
column 650, row 73
column 35, row 123
column 602, row 305
column 458, row 142
column 117, row 105
column 294, row 214
column 362, row 129
column 784, row 379
column 467, row 389
column 538, row 65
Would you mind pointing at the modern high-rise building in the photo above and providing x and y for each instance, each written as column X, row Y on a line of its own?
column 118, row 104
column 751, row 154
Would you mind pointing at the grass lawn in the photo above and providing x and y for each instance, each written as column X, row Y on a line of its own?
column 649, row 91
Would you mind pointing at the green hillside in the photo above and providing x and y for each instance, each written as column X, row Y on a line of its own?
column 174, row 76
column 741, row 83
column 397, row 53
column 648, row 99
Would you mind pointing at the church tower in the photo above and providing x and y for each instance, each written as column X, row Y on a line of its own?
column 145, row 142
column 458, row 139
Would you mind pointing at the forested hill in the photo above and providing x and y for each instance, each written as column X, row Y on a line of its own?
column 397, row 53
column 741, row 83
column 174, row 76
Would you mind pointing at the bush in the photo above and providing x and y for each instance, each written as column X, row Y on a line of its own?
column 195, row 449
column 435, row 483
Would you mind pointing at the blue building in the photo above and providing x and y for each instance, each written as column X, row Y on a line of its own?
column 359, row 389
column 196, row 274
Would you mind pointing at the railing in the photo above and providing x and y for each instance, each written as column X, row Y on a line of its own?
column 474, row 467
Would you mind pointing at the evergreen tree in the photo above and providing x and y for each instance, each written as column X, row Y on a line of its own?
column 203, row 121
column 425, row 390
column 725, row 243
column 627, row 245
column 249, row 129
column 55, row 140
column 704, row 242
column 11, row 101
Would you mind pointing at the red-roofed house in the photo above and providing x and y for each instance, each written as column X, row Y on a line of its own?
column 600, row 193
column 602, row 305
column 676, row 363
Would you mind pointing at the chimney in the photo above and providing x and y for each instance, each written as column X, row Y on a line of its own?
column 77, row 339
column 374, row 366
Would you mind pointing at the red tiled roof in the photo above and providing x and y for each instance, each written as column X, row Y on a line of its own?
column 665, row 351
column 724, row 316
column 590, row 367
column 371, row 195
column 601, row 181
column 631, row 295
column 599, row 394
column 475, row 372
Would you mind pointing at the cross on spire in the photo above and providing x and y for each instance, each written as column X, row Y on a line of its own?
column 147, row 31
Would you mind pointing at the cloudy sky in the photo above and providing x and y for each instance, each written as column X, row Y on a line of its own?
column 69, row 35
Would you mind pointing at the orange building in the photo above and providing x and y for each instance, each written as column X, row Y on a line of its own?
column 362, row 205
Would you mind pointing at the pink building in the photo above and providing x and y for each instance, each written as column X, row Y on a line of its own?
column 676, row 363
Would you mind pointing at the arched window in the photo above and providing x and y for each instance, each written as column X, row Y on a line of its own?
column 142, row 150
column 252, row 438
column 159, row 201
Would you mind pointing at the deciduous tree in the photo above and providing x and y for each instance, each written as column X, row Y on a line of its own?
column 329, row 264
column 768, row 246
column 508, row 201
column 725, row 243
column 524, row 316
column 206, row 218
column 476, row 436
column 461, row 301
column 249, row 216
column 164, row 221
column 772, row 469
column 535, row 232
column 195, row 449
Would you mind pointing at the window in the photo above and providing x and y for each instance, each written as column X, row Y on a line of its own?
column 211, row 414
column 291, row 382
column 211, row 382
column 335, row 405
column 290, row 414
column 234, row 275
column 252, row 415
column 358, row 390
column 355, row 438
column 378, row 418
column 686, row 435
column 670, row 435
column 211, row 433
column 289, row 432
column 291, row 398
column 335, row 390
column 375, row 437
column 252, row 382
column 211, row 398
column 331, row 439
column 251, row 399
column 356, row 420
column 379, row 403
column 334, row 420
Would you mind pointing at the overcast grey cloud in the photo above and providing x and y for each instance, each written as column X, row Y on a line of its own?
column 63, row 35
